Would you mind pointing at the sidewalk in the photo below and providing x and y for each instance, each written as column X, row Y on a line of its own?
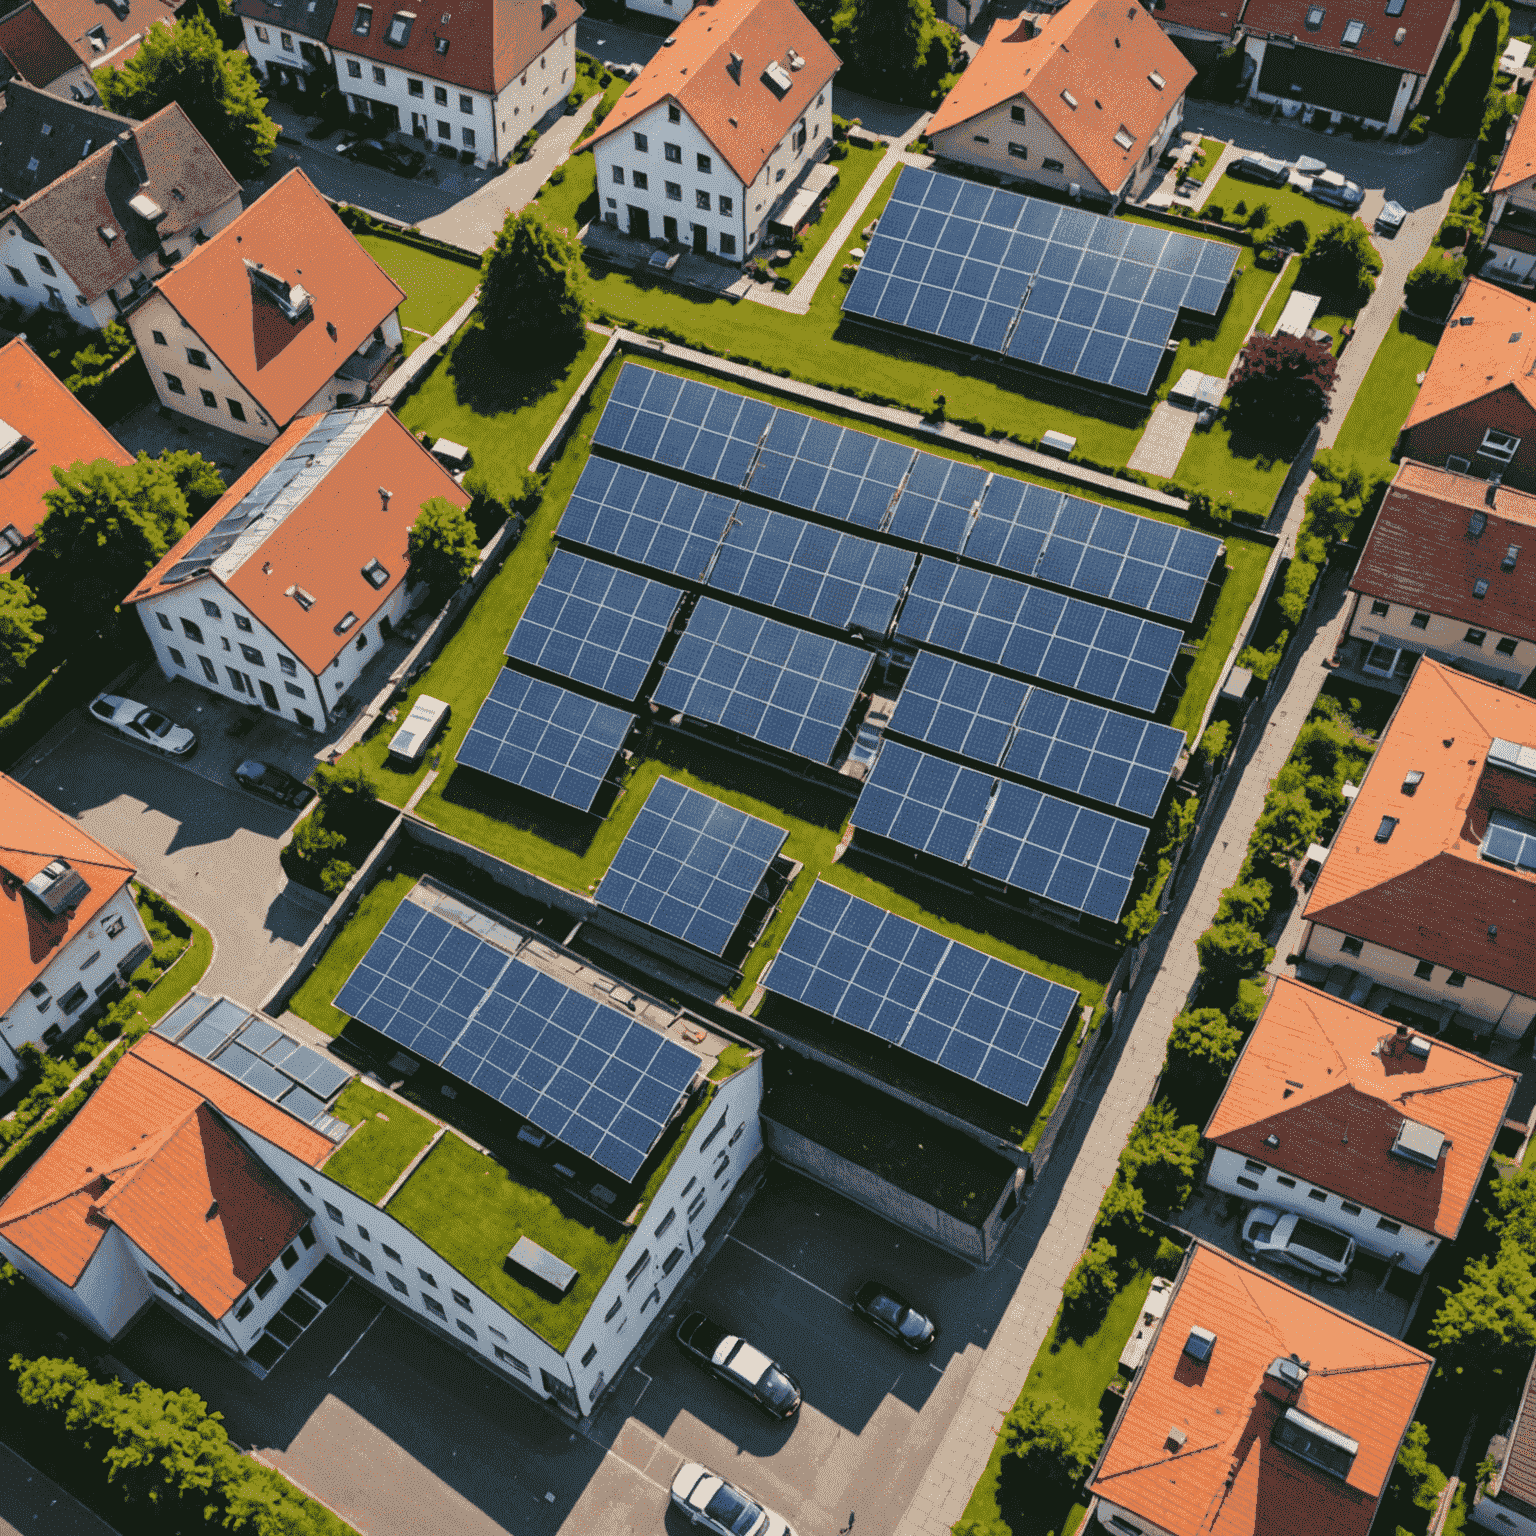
column 31, row 1502
column 1059, row 1217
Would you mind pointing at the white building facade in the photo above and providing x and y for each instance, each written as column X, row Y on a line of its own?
column 288, row 56
column 1397, row 634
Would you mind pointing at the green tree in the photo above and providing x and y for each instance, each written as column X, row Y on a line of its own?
column 1161, row 1157
column 1122, row 1218
column 1463, row 94
column 1513, row 1217
column 1245, row 1010
column 1247, row 902
column 186, row 63
column 198, row 480
column 898, row 50
column 1056, row 1445
column 1487, row 1325
column 442, row 547
column 1089, row 1290
column 1281, row 386
column 345, row 788
column 1432, row 286
column 312, row 850
column 21, row 627
column 1229, row 951
column 1342, row 262
column 532, row 291
column 1289, row 823
column 1215, row 742
column 1202, row 1050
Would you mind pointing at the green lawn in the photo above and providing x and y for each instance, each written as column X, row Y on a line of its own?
column 1387, row 394
column 1276, row 306
column 855, row 170
column 1249, row 472
column 389, row 1135
column 434, row 285
column 1215, row 354
column 1247, row 561
column 1210, row 152
column 1284, row 203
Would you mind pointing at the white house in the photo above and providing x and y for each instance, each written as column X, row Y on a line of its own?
column 286, row 41
column 1511, row 236
column 282, row 592
column 70, row 933
column 474, row 79
column 720, row 130
column 281, row 314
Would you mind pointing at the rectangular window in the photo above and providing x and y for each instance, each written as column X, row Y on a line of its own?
column 727, row 206
column 1424, row 970
column 440, row 95
column 236, row 409
column 1320, row 1195
column 113, row 925
column 1051, row 165
column 674, row 153
column 1380, row 609
column 727, row 245
column 466, row 103
column 674, row 112
column 174, row 384
column 719, row 1169
column 354, row 69
column 1352, row 946
column 674, row 192
column 704, row 163
column 398, row 1283
column 244, row 1310
column 287, row 666
column 435, row 1307
column 640, row 181
column 462, row 1300
column 701, row 200
column 718, row 1126
column 618, row 175
column 671, row 1261
column 468, row 136
column 389, row 1253
column 1018, row 151
column 637, row 1268
column 1499, row 446
column 614, row 1310
column 210, row 400
column 1349, row 1207
column 1456, row 979
column 444, row 130
column 192, row 631
column 512, row 1360
column 1247, row 1183
column 290, row 1256
column 294, row 690
column 236, row 680
column 333, row 1213
column 210, row 671
column 197, row 357
column 415, row 88
column 1016, row 113
column 1474, row 637
column 1506, row 647
column 72, row 999
column 286, row 39
column 1388, row 1226
column 737, row 1134
column 1254, row 1167
column 261, row 35
column 346, row 1248
column 590, row 1355
column 378, row 75
column 642, row 143
column 1419, row 621
column 464, row 1328
column 699, row 1201
column 666, row 1221
column 1284, row 1182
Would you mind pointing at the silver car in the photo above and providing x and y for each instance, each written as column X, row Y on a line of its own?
column 1337, row 191
column 716, row 1505
column 147, row 727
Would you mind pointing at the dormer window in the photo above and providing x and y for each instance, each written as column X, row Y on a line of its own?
column 1124, row 140
column 375, row 574
column 1353, row 33
column 1499, row 445
column 345, row 623
column 1395, row 7
column 441, row 45
column 97, row 38
column 1510, row 556
column 1070, row 99
column 399, row 33
column 305, row 600
column 363, row 20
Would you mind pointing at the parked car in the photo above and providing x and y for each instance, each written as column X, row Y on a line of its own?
column 1310, row 165
column 1291, row 1239
column 740, row 1365
column 1335, row 190
column 708, row 1500
column 398, row 158
column 1391, row 217
column 883, row 1307
column 146, row 726
column 1273, row 173
column 271, row 783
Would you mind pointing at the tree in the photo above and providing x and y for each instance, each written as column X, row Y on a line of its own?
column 1056, row 1445
column 532, row 298
column 1487, row 1325
column 1090, row 1288
column 1229, row 951
column 898, row 50
column 1463, row 94
column 1161, row 1157
column 1122, row 1218
column 1514, row 1215
column 1247, row 903
column 21, row 623
column 1281, row 386
column 1432, row 286
column 1289, row 824
column 1342, row 262
column 214, row 85
column 442, row 547
column 1251, row 998
column 198, row 480
column 1202, row 1050
column 311, row 852
column 1293, row 235
column 344, row 789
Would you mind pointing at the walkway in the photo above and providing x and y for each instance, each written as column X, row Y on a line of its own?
column 1118, row 1087
column 31, row 1503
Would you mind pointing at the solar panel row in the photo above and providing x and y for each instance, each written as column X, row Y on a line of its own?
column 1067, row 743
column 973, row 1014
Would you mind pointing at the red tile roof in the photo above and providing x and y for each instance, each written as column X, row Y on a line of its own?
column 1489, row 345
column 38, row 406
column 1425, row 892
column 1421, row 23
column 33, row 834
column 743, row 118
column 1228, row 1477
column 147, row 1154
column 121, row 31
column 323, row 544
column 1219, row 16
column 1422, row 553
column 292, row 231
column 489, row 41
column 34, row 47
column 1100, row 53
column 1333, row 1083
column 1519, row 160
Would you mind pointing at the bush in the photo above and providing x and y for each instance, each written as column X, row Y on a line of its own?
column 1341, row 261
column 310, row 850
column 1263, row 663
column 1162, row 1157
column 1281, row 386
column 1168, row 1259
column 1122, row 1218
column 1202, row 1050
column 1056, row 1446
column 1294, row 235
column 1251, row 997
column 1229, row 951
column 1215, row 743
column 345, row 789
column 1089, row 1290
column 334, row 877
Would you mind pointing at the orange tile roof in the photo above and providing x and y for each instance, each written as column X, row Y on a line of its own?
column 1422, row 553
column 292, row 231
column 146, row 1153
column 33, row 834
column 38, row 406
column 1489, row 345
column 1519, row 160
column 744, row 119
column 1229, row 1478
column 1331, row 1082
column 1099, row 53
column 324, row 542
column 1421, row 24
column 1425, row 892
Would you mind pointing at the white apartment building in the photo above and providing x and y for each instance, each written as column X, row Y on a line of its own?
column 286, row 40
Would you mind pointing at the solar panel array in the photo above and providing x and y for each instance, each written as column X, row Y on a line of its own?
column 545, row 738
column 1025, row 629
column 779, row 685
column 1067, row 743
column 600, row 1082
column 689, row 865
column 942, row 1000
column 594, row 623
column 1035, row 842
column 1058, row 287
column 853, row 477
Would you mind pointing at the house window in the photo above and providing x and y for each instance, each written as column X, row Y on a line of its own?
column 1018, row 151
column 1505, row 647
column 1351, row 945
column 192, row 631
column 197, row 357
column 425, row 1276
column 1349, row 1208
column 674, row 192
column 378, row 75
column 287, row 666
column 1243, row 1183
column 174, row 384
column 590, row 1355
column 1479, row 589
column 1474, row 637
column 674, row 112
column 1425, row 970
column 165, row 622
column 727, row 245
column 414, row 88
column 295, row 690
column 210, row 671
column 354, row 70
column 468, row 135
column 638, row 1267
column 704, row 163
column 72, row 999
column 614, row 1310
column 1385, row 830
column 176, row 656
column 674, row 153
column 640, row 181
column 440, row 95
column 511, row 1360
column 1353, row 33
column 618, row 175
column 399, row 33
column 444, row 130
column 398, row 1283
column 1284, row 1182
column 1419, row 621
column 1051, row 165
column 1379, row 609
column 265, row 1285
column 236, row 680
column 236, row 409
column 671, row 1261
column 252, row 655
column 286, row 38
column 158, row 337
column 1315, row 17
column 244, row 1310
column 441, row 44
column 1319, row 1195
column 642, row 143
column 666, row 1221
column 290, row 1256
column 1496, row 445
column 209, row 399
column 1456, row 979
column 466, row 103
column 1254, row 1167
column 726, row 205
column 333, row 1213
column 261, row 35
column 362, row 19
column 701, row 200
column 435, row 1307
column 462, row 1300
column 1388, row 1226
column 16, row 277
column 465, row 1328
column 46, row 266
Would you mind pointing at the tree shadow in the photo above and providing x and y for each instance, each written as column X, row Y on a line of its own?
column 490, row 384
column 1029, row 1506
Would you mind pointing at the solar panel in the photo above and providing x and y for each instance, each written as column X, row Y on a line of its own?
column 963, row 708
column 923, row 802
column 602, row 1083
column 783, row 686
column 595, row 624
column 545, row 738
column 970, row 1012
column 645, row 518
column 1057, row 287
column 1065, row 853
column 836, row 578
column 1041, row 634
column 689, row 866
column 937, row 503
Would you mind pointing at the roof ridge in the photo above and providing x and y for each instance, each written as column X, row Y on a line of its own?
column 76, row 1189
column 157, row 1144
column 38, row 853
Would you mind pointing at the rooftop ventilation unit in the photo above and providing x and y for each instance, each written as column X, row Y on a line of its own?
column 1315, row 1443
column 1512, row 757
column 796, row 61
column 1421, row 1144
column 1199, row 1344
column 1285, row 1376
column 777, row 79
column 555, row 1274
column 146, row 207
column 56, row 887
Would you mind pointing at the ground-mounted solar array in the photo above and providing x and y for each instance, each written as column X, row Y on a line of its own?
column 594, row 624
column 782, row 686
column 1069, row 744
column 602, row 1083
column 854, row 477
column 945, row 1002
column 1031, row 841
column 1064, row 640
column 689, row 866
column 545, row 738
column 1057, row 287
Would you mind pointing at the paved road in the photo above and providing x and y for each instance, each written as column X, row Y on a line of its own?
column 34, row 1505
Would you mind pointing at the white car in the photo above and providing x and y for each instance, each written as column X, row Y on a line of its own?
column 1291, row 1239
column 146, row 726
column 716, row 1505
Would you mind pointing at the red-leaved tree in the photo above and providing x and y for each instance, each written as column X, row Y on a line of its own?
column 1281, row 386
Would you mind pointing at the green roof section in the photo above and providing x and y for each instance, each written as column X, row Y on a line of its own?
column 388, row 1138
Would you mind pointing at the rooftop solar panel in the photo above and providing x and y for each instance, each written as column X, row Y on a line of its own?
column 973, row 1014
column 593, row 623
column 1041, row 634
column 966, row 709
column 1075, row 292
column 689, row 865
column 545, row 738
column 924, row 802
column 602, row 1083
column 783, row 686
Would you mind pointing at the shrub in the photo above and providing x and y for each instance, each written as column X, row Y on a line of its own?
column 1215, row 743
column 1162, row 1157
column 1342, row 261
column 1251, row 997
column 1202, row 1050
column 309, row 851
column 1056, row 1446
column 1263, row 663
column 1281, row 386
column 1293, row 234
column 1168, row 1259
column 1229, row 951
column 1432, row 286
column 1122, row 1218
column 334, row 877
column 1089, row 1290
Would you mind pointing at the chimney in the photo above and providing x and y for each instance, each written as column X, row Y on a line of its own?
column 1284, row 1378
column 384, row 497
column 1400, row 1040
column 547, row 13
column 733, row 69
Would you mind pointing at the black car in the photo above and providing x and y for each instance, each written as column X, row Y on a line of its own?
column 388, row 157
column 890, row 1314
column 740, row 1365
column 1273, row 173
column 273, row 784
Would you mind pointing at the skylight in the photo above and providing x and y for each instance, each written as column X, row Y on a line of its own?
column 1386, row 829
column 1315, row 17
column 1510, row 556
column 1395, row 7
column 1070, row 99
column 375, row 574
column 363, row 20
column 442, row 44
column 305, row 600
column 346, row 622
column 1156, row 78
column 1124, row 140
column 1353, row 33
column 1480, row 588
